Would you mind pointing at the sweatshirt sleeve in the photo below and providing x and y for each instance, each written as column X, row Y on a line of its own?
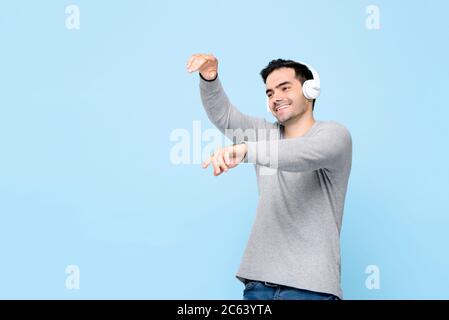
column 328, row 148
column 225, row 116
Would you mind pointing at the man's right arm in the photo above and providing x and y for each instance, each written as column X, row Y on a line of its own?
column 218, row 107
column 222, row 113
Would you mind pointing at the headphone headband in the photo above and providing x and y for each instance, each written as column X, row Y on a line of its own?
column 311, row 88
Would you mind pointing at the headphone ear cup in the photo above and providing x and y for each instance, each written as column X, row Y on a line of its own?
column 311, row 89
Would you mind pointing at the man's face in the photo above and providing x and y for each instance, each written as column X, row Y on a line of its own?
column 285, row 97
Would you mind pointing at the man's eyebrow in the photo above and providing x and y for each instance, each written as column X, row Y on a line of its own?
column 279, row 85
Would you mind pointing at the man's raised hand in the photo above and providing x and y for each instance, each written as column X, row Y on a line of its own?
column 206, row 64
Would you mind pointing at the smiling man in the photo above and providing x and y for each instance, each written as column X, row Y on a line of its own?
column 293, row 251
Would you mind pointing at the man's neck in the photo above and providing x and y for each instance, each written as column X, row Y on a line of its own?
column 298, row 127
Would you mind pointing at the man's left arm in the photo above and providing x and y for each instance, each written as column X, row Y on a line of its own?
column 330, row 148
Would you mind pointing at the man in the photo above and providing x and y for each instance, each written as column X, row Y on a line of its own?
column 293, row 251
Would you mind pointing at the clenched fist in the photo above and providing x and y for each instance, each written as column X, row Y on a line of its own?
column 206, row 64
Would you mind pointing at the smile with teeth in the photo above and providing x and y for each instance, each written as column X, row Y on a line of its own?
column 281, row 107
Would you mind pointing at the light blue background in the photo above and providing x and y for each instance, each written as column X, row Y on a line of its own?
column 85, row 120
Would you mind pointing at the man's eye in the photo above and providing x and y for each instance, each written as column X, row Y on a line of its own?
column 285, row 88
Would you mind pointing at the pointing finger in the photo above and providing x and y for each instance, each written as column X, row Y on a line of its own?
column 207, row 162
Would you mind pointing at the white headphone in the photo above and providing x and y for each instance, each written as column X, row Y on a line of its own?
column 310, row 88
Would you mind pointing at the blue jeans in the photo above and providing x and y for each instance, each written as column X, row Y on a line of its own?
column 257, row 290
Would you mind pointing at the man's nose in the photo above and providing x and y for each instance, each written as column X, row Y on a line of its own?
column 278, row 99
column 278, row 96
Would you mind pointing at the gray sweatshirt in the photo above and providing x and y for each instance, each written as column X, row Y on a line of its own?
column 302, row 183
